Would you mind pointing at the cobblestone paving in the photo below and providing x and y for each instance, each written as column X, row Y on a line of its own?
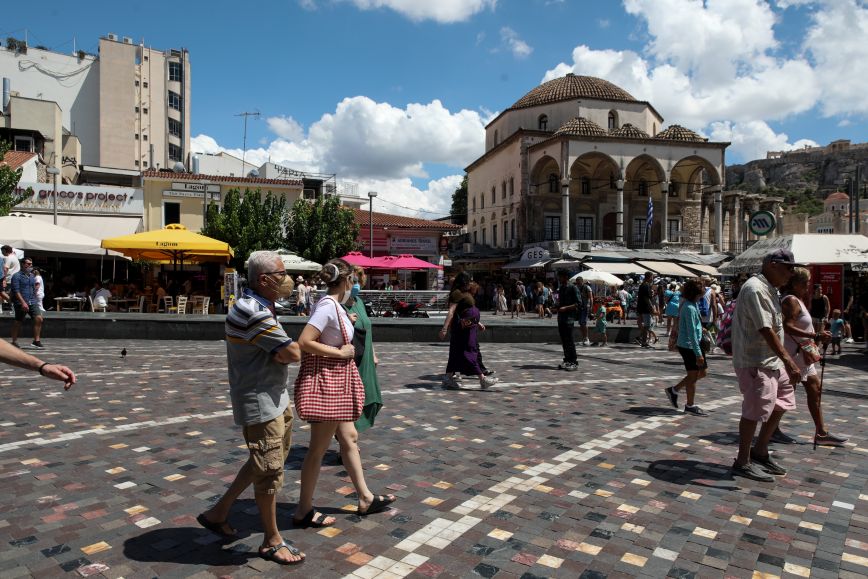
column 549, row 474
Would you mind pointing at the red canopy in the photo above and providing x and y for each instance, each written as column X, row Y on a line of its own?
column 403, row 261
column 356, row 258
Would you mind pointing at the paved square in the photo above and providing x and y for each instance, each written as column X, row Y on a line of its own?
column 549, row 474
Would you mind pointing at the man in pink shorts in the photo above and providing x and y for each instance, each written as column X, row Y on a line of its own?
column 766, row 373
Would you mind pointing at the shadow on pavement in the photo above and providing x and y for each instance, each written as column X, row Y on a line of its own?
column 692, row 472
column 651, row 411
column 187, row 545
column 534, row 367
column 723, row 438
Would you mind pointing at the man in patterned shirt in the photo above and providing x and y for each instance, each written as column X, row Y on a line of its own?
column 259, row 351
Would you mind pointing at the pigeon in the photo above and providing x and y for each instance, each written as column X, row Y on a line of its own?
column 124, row 353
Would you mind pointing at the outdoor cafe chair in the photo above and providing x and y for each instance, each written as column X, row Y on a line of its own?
column 201, row 306
column 94, row 307
column 180, row 309
column 140, row 308
column 168, row 302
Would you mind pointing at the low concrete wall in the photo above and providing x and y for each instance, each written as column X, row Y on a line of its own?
column 115, row 326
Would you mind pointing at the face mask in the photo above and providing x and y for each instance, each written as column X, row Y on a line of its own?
column 284, row 290
column 357, row 289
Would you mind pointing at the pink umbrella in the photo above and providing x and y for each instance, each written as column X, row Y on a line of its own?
column 356, row 258
column 403, row 261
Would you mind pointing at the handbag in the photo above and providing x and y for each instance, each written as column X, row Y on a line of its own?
column 329, row 389
column 705, row 342
column 810, row 352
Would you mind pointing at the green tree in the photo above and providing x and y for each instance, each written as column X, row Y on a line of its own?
column 247, row 223
column 9, row 179
column 459, row 202
column 321, row 230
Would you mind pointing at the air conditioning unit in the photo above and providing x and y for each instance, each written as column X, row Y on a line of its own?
column 584, row 246
column 468, row 247
column 128, row 40
column 112, row 36
column 706, row 249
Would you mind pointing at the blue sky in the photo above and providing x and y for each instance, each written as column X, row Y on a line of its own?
column 394, row 94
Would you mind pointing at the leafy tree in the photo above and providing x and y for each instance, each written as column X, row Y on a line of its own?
column 321, row 230
column 9, row 178
column 247, row 223
column 459, row 202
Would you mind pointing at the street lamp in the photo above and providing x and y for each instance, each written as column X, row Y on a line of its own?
column 371, row 195
column 205, row 184
column 54, row 172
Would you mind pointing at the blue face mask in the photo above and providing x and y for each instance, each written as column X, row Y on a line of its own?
column 354, row 293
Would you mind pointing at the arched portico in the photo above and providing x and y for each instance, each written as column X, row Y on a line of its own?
column 645, row 179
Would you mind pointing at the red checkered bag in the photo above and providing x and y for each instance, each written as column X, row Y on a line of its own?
column 329, row 389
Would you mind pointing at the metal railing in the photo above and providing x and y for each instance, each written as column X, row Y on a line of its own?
column 419, row 303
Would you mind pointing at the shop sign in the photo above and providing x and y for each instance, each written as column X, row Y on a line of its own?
column 195, row 187
column 831, row 278
column 82, row 198
column 413, row 245
column 535, row 254
column 191, row 194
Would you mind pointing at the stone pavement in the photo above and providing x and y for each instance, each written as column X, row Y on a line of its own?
column 586, row 474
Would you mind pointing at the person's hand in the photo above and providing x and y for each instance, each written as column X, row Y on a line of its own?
column 700, row 360
column 347, row 351
column 354, row 318
column 481, row 326
column 825, row 336
column 442, row 333
column 61, row 373
column 792, row 371
column 376, row 360
column 25, row 307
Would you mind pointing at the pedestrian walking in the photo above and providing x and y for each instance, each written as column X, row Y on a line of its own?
column 644, row 309
column 301, row 296
column 820, row 308
column 624, row 298
column 26, row 303
column 500, row 298
column 689, row 336
column 586, row 303
column 568, row 313
column 837, row 327
column 329, row 394
column 673, row 301
column 801, row 344
column 765, row 370
column 367, row 361
column 600, row 325
column 463, row 324
column 258, row 352
column 11, row 266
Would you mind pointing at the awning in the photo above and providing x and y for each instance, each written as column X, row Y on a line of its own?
column 701, row 268
column 96, row 226
column 527, row 264
column 667, row 268
column 617, row 268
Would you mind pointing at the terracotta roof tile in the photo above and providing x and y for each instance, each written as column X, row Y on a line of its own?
column 571, row 87
column 581, row 127
column 401, row 222
column 15, row 159
column 172, row 176
column 679, row 133
column 838, row 196
column 630, row 132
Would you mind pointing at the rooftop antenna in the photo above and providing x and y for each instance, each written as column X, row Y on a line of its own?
column 245, row 114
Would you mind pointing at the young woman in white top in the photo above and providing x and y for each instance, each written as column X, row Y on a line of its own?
column 322, row 336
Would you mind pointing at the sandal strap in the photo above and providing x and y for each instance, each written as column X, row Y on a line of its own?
column 274, row 549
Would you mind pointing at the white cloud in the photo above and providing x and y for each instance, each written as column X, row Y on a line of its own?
column 285, row 127
column 753, row 139
column 443, row 11
column 518, row 47
column 603, row 23
column 401, row 197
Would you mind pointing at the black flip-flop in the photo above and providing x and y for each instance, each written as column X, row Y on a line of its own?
column 378, row 505
column 216, row 528
column 313, row 518
column 268, row 554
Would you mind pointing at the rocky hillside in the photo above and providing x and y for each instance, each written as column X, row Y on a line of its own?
column 818, row 171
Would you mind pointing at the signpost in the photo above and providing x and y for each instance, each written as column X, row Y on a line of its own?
column 762, row 222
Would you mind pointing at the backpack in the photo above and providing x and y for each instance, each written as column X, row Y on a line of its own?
column 703, row 305
column 724, row 334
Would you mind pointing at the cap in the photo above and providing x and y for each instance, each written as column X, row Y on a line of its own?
column 781, row 256
column 299, row 278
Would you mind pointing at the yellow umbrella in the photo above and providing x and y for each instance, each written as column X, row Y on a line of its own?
column 173, row 243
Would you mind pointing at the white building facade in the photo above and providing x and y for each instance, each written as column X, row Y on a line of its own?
column 578, row 158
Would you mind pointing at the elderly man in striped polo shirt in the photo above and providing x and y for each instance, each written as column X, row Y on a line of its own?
column 259, row 351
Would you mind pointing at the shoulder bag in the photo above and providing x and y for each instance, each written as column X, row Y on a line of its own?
column 329, row 389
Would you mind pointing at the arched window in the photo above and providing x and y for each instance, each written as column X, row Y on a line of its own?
column 586, row 185
column 493, row 196
column 643, row 188
column 503, row 190
column 473, row 203
column 511, row 186
column 482, row 200
column 543, row 122
column 613, row 120
column 553, row 183
column 654, row 130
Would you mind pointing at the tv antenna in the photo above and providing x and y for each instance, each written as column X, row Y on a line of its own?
column 245, row 114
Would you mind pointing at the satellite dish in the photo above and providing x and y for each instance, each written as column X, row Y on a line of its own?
column 179, row 167
column 253, row 174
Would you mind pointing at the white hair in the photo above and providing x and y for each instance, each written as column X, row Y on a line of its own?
column 258, row 263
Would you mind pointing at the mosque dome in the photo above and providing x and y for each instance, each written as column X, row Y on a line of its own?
column 572, row 87
column 581, row 127
column 629, row 131
column 679, row 133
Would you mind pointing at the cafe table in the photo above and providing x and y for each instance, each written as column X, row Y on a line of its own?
column 61, row 303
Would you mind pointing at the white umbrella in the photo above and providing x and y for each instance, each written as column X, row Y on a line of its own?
column 294, row 262
column 603, row 277
column 29, row 234
column 811, row 248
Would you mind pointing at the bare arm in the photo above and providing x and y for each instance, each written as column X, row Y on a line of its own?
column 449, row 315
column 791, row 310
column 308, row 342
column 777, row 347
column 288, row 354
column 15, row 357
